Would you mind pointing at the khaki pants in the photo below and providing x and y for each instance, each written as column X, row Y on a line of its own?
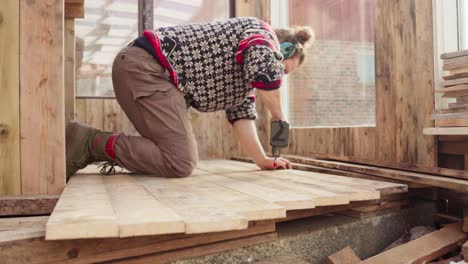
column 157, row 109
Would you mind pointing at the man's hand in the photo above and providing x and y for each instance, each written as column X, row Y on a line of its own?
column 269, row 164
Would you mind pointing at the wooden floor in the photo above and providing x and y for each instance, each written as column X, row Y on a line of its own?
column 221, row 195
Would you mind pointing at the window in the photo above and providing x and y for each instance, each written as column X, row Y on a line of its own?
column 107, row 27
column 111, row 24
column 176, row 12
column 336, row 85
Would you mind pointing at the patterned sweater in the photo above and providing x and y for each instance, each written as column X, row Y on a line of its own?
column 218, row 65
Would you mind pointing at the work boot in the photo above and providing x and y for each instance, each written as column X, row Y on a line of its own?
column 85, row 145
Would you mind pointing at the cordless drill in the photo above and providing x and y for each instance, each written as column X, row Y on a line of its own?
column 279, row 137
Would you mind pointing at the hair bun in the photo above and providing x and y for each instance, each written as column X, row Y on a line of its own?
column 305, row 35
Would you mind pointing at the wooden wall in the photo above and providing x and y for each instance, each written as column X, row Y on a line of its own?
column 32, row 84
column 404, row 96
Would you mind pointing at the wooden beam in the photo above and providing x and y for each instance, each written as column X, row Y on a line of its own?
column 69, row 69
column 403, row 169
column 463, row 122
column 10, row 178
column 42, row 97
column 19, row 228
column 208, row 249
column 344, row 256
column 145, row 15
column 456, row 131
column 426, row 179
column 460, row 174
column 74, row 11
column 34, row 249
column 27, row 205
column 424, row 249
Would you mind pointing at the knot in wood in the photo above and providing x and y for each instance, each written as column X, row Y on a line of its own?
column 3, row 129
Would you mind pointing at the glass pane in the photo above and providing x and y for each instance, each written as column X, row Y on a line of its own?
column 176, row 12
column 336, row 84
column 107, row 27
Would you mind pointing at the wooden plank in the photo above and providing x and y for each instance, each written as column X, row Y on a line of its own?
column 451, row 122
column 446, row 131
column 424, row 249
column 457, row 63
column 320, row 169
column 382, row 206
column 344, row 256
column 137, row 211
column 10, row 178
column 80, row 114
column 42, row 97
column 282, row 260
column 200, row 214
column 454, row 54
column 12, row 229
column 458, row 71
column 455, row 94
column 455, row 76
column 414, row 36
column 456, row 82
column 364, row 215
column 329, row 189
column 362, row 185
column 252, row 208
column 27, row 205
column 111, row 114
column 74, row 11
column 322, row 195
column 37, row 250
column 453, row 88
column 83, row 211
column 385, row 97
column 402, row 166
column 95, row 113
column 207, row 128
column 202, row 250
column 450, row 116
column 287, row 199
column 426, row 179
column 69, row 69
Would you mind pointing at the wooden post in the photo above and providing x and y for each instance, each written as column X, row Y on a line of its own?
column 42, row 120
column 10, row 180
column 69, row 69
column 145, row 15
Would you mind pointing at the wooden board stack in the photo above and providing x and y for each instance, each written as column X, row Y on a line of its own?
column 454, row 85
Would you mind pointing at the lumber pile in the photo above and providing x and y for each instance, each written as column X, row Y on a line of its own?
column 424, row 249
column 454, row 85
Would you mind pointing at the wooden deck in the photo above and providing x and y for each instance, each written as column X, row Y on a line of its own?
column 221, row 195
